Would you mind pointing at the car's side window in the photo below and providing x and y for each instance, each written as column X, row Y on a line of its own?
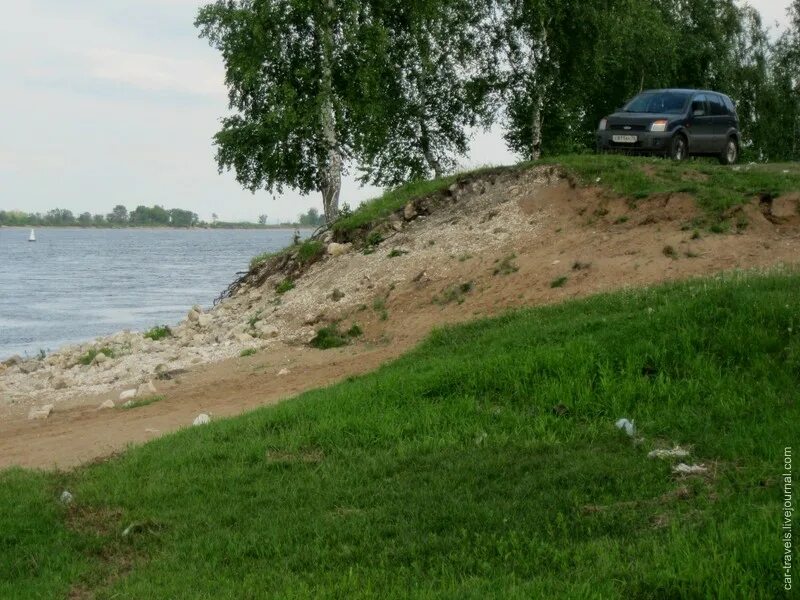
column 729, row 105
column 716, row 105
column 699, row 107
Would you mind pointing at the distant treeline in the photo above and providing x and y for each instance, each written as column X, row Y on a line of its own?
column 143, row 216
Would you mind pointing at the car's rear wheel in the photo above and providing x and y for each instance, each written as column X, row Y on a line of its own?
column 679, row 148
column 730, row 154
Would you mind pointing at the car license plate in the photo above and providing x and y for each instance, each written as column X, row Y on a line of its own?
column 625, row 139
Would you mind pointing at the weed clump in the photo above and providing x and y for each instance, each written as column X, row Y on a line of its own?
column 559, row 282
column 454, row 293
column 142, row 402
column 310, row 251
column 159, row 332
column 330, row 337
column 248, row 352
column 284, row 286
column 89, row 357
column 506, row 266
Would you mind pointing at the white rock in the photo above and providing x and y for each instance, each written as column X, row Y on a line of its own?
column 676, row 452
column 204, row 320
column 100, row 358
column 66, row 497
column 266, row 330
column 410, row 211
column 243, row 338
column 106, row 404
column 193, row 316
column 335, row 249
column 40, row 413
column 201, row 419
column 283, row 372
column 146, row 389
column 128, row 395
column 684, row 469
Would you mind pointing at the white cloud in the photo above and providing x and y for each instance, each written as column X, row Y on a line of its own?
column 152, row 72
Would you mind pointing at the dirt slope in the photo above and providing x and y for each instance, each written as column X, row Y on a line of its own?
column 498, row 243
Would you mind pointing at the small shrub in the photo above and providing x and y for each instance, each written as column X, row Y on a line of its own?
column 355, row 331
column 669, row 252
column 254, row 319
column 580, row 266
column 506, row 266
column 558, row 282
column 159, row 332
column 379, row 306
column 248, row 352
column 621, row 220
column 464, row 257
column 310, row 251
column 260, row 259
column 397, row 252
column 89, row 357
column 455, row 293
column 42, row 354
column 696, row 234
column 284, row 286
column 374, row 238
column 690, row 254
column 720, row 227
column 329, row 337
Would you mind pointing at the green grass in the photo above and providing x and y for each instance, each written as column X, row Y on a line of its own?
column 506, row 266
column 310, row 251
column 159, row 332
column 449, row 474
column 142, row 402
column 454, row 293
column 559, row 282
column 91, row 354
column 248, row 352
column 331, row 337
column 260, row 259
column 284, row 286
column 715, row 187
column 380, row 208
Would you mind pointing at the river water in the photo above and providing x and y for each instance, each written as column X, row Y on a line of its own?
column 75, row 284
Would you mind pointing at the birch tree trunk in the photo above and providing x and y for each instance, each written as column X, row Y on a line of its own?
column 331, row 176
column 430, row 158
column 539, row 57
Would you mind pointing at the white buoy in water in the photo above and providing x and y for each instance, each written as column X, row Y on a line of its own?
column 32, row 237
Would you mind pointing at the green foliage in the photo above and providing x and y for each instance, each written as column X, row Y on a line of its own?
column 379, row 306
column 355, row 331
column 396, row 253
column 716, row 188
column 92, row 353
column 260, row 259
column 425, row 87
column 559, row 282
column 457, row 444
column 329, row 337
column 506, row 266
column 311, row 219
column 379, row 209
column 284, row 286
column 159, row 332
column 248, row 352
column 310, row 251
column 139, row 403
column 454, row 293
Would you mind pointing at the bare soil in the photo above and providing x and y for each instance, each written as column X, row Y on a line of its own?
column 542, row 228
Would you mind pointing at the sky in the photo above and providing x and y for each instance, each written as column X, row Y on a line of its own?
column 106, row 102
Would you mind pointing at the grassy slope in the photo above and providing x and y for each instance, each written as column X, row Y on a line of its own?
column 447, row 474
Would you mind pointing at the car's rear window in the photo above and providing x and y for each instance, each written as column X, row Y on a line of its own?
column 672, row 103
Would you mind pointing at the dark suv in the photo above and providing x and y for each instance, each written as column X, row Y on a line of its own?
column 675, row 123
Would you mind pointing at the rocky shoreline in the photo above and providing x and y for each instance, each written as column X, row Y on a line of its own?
column 258, row 316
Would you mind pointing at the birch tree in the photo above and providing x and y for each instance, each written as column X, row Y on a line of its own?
column 425, row 86
column 286, row 69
